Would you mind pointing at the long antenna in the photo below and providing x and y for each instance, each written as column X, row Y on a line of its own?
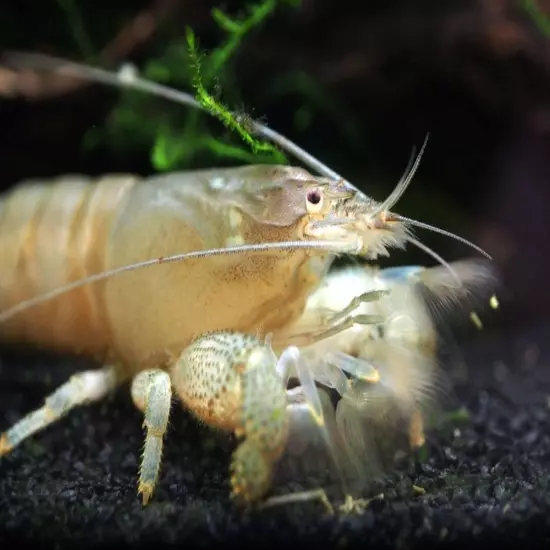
column 334, row 247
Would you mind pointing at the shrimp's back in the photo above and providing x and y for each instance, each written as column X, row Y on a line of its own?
column 52, row 234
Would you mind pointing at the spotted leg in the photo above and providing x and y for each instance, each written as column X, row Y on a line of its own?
column 152, row 394
column 266, row 410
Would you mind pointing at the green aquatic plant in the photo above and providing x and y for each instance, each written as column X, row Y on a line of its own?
column 180, row 136
column 177, row 137
column 237, row 124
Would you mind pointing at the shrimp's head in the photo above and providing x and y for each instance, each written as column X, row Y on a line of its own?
column 320, row 208
column 372, row 223
column 373, row 226
column 334, row 210
column 378, row 228
column 358, row 216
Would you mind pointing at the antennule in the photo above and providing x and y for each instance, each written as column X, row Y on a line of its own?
column 404, row 182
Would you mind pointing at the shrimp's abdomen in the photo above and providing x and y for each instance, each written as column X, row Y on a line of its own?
column 52, row 234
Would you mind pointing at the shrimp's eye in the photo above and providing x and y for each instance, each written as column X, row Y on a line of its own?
column 314, row 200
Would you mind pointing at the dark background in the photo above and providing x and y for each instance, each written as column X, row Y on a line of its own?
column 475, row 74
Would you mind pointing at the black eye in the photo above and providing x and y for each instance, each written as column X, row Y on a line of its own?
column 314, row 196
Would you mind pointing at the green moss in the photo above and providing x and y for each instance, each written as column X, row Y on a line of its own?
column 181, row 136
column 221, row 112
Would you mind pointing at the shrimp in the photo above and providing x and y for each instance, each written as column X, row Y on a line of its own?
column 235, row 251
column 141, row 320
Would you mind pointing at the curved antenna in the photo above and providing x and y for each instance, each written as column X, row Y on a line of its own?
column 422, row 225
column 335, row 247
column 404, row 182
column 127, row 77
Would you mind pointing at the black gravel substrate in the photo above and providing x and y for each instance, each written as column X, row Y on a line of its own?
column 486, row 479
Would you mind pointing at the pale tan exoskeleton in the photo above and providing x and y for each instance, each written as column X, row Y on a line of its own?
column 138, row 323
column 182, row 263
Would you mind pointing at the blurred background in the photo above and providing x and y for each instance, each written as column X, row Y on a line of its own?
column 357, row 84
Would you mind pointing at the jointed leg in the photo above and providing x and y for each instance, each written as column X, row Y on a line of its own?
column 331, row 329
column 358, row 367
column 302, row 496
column 152, row 394
column 366, row 297
column 302, row 412
column 82, row 388
column 347, row 323
column 338, row 322
column 291, row 361
column 306, row 406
